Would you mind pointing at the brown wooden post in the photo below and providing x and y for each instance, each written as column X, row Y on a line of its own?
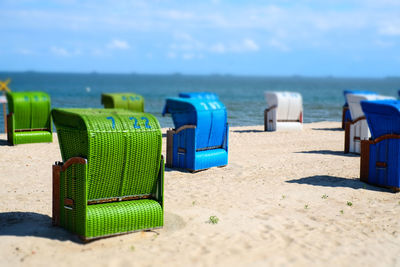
column 56, row 194
column 344, row 116
column 265, row 119
column 347, row 137
column 170, row 147
column 364, row 160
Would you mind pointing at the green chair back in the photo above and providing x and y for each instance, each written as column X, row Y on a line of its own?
column 123, row 149
column 31, row 110
column 130, row 101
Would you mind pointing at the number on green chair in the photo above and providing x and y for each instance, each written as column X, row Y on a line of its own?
column 112, row 120
column 146, row 122
column 135, row 125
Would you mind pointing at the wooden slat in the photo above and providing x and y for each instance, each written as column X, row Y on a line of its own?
column 56, row 195
column 343, row 116
column 347, row 137
column 68, row 202
column 170, row 147
column 364, row 161
column 381, row 164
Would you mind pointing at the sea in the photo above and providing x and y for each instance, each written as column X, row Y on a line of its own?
column 243, row 96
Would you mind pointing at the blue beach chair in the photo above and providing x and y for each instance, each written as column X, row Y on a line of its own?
column 200, row 138
column 346, row 116
column 380, row 155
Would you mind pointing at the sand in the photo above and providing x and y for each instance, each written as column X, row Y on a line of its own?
column 283, row 199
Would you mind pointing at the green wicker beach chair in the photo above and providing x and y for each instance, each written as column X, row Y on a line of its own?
column 28, row 118
column 111, row 181
column 133, row 102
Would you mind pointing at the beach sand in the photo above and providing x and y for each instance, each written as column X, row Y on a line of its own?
column 283, row 199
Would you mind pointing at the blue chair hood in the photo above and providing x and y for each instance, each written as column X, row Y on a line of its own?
column 201, row 95
column 383, row 116
column 209, row 116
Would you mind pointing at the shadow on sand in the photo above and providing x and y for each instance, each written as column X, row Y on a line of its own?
column 32, row 224
column 248, row 131
column 333, row 181
column 4, row 143
column 329, row 129
column 329, row 152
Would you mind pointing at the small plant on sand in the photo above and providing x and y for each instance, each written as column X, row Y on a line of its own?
column 132, row 248
column 341, row 211
column 193, row 203
column 283, row 196
column 306, row 206
column 213, row 220
column 349, row 204
column 324, row 196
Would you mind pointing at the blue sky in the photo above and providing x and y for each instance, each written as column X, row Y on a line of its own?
column 304, row 37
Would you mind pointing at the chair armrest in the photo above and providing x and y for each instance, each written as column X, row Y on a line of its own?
column 69, row 188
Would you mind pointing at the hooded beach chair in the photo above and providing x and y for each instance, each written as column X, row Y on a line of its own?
column 357, row 129
column 28, row 118
column 130, row 101
column 380, row 155
column 111, row 179
column 200, row 95
column 346, row 116
column 284, row 111
column 200, row 138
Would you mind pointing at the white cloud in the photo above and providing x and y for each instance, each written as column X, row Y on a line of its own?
column 118, row 44
column 278, row 45
column 245, row 45
column 176, row 15
column 188, row 56
column 171, row 55
column 249, row 45
column 384, row 44
column 218, row 48
column 390, row 29
column 63, row 52
column 59, row 51
column 25, row 51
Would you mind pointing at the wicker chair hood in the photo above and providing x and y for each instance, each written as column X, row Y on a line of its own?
column 122, row 148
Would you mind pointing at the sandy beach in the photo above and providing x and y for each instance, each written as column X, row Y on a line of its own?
column 285, row 198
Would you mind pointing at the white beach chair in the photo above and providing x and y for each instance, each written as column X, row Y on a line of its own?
column 284, row 112
column 357, row 129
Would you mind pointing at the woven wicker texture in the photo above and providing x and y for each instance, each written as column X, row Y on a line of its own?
column 123, row 152
column 130, row 101
column 125, row 216
column 29, row 114
column 110, row 139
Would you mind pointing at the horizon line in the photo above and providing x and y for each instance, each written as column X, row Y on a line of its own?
column 177, row 73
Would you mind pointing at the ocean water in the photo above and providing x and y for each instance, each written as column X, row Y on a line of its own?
column 242, row 95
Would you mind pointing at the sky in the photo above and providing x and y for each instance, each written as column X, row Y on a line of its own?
column 352, row 38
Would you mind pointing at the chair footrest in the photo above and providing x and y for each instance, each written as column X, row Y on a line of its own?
column 121, row 217
column 32, row 137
